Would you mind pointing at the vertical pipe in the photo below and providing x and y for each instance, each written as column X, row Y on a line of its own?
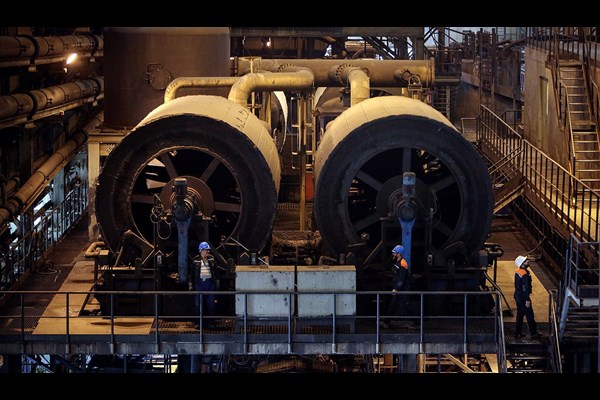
column 182, row 248
column 302, row 150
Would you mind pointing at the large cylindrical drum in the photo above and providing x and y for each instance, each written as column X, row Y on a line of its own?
column 359, row 167
column 224, row 152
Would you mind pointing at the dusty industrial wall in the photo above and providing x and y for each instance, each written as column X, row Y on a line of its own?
column 540, row 116
column 467, row 103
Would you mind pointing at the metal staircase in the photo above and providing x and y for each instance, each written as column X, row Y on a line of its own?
column 581, row 324
column 507, row 179
column 444, row 100
column 529, row 358
column 579, row 319
column 582, row 127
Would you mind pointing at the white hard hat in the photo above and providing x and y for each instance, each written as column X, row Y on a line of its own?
column 520, row 260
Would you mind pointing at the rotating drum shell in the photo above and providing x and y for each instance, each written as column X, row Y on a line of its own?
column 363, row 132
column 209, row 124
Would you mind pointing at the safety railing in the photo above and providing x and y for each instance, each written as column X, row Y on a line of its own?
column 501, row 354
column 287, row 321
column 564, row 118
column 53, row 226
column 580, row 272
column 571, row 204
column 513, row 118
column 554, row 339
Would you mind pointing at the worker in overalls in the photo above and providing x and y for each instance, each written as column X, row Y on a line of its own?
column 522, row 297
column 204, row 278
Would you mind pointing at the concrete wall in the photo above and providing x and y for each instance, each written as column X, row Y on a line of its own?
column 326, row 279
column 251, row 278
column 540, row 115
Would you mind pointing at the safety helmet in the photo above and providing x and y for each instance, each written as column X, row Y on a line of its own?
column 398, row 249
column 203, row 246
column 520, row 260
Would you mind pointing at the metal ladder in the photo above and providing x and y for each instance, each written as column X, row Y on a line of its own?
column 583, row 129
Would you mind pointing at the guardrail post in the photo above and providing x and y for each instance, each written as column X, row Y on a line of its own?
column 421, row 334
column 289, row 346
column 156, row 342
column 246, row 323
column 112, row 324
column 22, row 303
column 333, row 343
column 377, row 333
column 465, row 324
column 68, row 338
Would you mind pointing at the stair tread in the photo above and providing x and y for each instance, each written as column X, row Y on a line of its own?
column 526, row 357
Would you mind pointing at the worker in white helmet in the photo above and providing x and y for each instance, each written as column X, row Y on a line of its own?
column 523, row 299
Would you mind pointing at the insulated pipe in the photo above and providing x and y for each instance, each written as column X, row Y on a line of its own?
column 356, row 78
column 93, row 249
column 380, row 72
column 202, row 82
column 18, row 104
column 269, row 81
column 16, row 46
column 36, row 183
column 33, row 47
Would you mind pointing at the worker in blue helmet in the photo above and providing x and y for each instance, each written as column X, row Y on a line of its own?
column 204, row 279
column 398, row 304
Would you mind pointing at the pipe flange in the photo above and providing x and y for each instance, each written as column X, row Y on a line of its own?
column 284, row 66
column 339, row 71
column 199, row 192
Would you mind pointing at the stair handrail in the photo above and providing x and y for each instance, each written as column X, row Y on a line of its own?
column 501, row 336
column 568, row 127
column 494, row 168
column 499, row 290
column 556, row 357
column 564, row 293
column 595, row 103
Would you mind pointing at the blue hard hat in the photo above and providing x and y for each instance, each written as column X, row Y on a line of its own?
column 399, row 249
column 203, row 246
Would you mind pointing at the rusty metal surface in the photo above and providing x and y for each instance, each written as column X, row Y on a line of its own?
column 134, row 57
